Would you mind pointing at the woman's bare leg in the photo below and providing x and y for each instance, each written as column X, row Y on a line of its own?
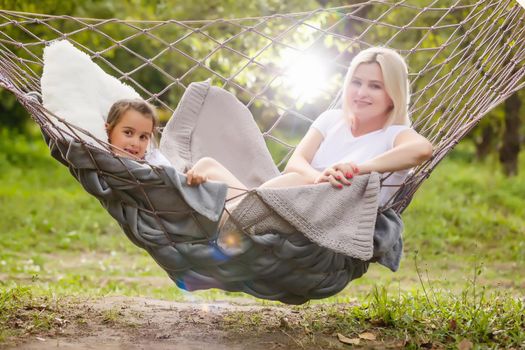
column 286, row 180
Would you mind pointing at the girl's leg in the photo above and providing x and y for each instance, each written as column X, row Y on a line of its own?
column 215, row 171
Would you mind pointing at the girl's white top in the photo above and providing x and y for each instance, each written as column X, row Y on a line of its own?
column 154, row 157
column 339, row 146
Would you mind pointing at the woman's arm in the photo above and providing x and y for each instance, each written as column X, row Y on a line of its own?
column 300, row 163
column 410, row 149
column 299, row 171
column 304, row 153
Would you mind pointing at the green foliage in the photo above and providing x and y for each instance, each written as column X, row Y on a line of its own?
column 175, row 63
column 12, row 114
column 470, row 216
column 22, row 151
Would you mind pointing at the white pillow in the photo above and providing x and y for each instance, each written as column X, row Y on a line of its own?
column 78, row 90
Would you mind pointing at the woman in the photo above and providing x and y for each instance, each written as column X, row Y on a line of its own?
column 370, row 133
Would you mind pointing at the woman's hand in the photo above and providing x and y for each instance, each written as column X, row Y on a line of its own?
column 338, row 174
column 194, row 177
column 349, row 169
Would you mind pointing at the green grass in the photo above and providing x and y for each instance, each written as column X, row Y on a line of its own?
column 56, row 241
column 434, row 320
column 22, row 312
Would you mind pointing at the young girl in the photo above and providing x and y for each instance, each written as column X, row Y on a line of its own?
column 130, row 127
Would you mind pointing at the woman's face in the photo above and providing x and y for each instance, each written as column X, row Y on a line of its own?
column 132, row 133
column 367, row 97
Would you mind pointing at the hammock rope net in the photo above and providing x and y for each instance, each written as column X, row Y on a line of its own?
column 464, row 59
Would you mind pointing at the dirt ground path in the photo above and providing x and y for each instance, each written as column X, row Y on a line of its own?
column 139, row 323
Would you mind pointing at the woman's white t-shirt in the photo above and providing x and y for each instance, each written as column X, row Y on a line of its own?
column 340, row 145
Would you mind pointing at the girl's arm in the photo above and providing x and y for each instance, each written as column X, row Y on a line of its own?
column 304, row 153
column 410, row 149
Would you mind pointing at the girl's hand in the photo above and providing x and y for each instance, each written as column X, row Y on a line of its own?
column 193, row 178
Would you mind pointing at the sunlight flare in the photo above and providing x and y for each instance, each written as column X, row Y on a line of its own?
column 306, row 75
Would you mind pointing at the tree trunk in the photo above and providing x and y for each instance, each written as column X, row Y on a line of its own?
column 484, row 142
column 510, row 148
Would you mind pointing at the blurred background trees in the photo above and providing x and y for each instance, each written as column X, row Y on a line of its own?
column 499, row 135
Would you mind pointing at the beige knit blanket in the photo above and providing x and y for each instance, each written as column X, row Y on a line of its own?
column 340, row 220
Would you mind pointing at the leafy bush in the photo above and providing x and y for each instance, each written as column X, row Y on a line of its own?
column 23, row 150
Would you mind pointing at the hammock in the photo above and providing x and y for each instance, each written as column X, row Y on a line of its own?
column 464, row 60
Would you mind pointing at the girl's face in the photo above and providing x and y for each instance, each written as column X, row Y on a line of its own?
column 132, row 133
column 367, row 97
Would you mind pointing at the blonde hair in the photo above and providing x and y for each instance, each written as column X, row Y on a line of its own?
column 120, row 107
column 395, row 76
